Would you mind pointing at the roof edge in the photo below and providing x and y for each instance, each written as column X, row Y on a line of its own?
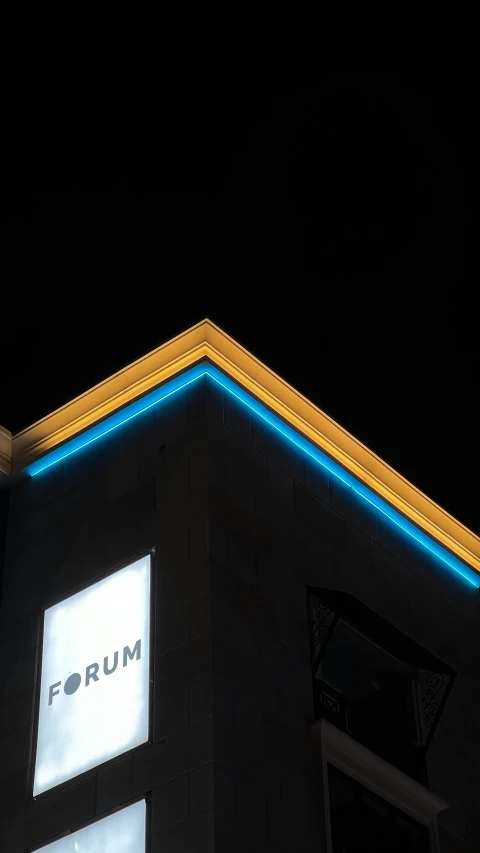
column 5, row 450
column 108, row 396
column 323, row 431
column 206, row 340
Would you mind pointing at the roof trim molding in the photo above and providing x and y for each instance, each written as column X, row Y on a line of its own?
column 5, row 450
column 207, row 341
column 108, row 396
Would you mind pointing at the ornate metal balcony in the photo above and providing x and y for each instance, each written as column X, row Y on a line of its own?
column 373, row 682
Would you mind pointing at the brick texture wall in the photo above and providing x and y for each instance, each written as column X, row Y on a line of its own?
column 241, row 523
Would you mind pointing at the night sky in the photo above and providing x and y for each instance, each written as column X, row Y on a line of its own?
column 322, row 227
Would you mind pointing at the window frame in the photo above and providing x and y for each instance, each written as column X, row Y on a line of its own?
column 335, row 747
column 146, row 798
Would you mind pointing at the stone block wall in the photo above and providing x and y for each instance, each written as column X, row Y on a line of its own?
column 144, row 487
column 241, row 523
column 280, row 523
column 4, row 503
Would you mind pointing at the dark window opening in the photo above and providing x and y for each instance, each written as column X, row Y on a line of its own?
column 378, row 688
column 361, row 822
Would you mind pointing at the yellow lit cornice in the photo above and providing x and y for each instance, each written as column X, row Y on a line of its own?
column 207, row 341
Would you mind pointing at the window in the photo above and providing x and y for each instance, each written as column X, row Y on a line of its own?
column 370, row 806
column 373, row 682
column 361, row 822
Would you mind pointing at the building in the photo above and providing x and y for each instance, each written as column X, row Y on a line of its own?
column 225, row 621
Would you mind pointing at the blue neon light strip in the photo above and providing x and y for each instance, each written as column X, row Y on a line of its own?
column 172, row 387
column 115, row 421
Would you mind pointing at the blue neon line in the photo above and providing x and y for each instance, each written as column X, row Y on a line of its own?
column 181, row 382
column 112, row 423
column 347, row 479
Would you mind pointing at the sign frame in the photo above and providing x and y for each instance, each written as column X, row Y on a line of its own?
column 146, row 798
column 99, row 576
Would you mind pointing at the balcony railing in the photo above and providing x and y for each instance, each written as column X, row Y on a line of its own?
column 373, row 682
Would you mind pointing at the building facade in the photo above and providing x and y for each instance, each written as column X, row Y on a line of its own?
column 300, row 669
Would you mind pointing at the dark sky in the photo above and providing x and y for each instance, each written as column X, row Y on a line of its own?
column 322, row 227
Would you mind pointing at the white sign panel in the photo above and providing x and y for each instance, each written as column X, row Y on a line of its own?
column 122, row 832
column 94, row 691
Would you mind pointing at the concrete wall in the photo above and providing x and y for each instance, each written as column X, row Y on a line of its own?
column 241, row 524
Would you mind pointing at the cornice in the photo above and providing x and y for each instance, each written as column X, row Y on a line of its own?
column 205, row 340
column 5, row 450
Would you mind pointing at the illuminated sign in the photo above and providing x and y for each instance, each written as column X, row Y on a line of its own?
column 94, row 691
column 123, row 832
